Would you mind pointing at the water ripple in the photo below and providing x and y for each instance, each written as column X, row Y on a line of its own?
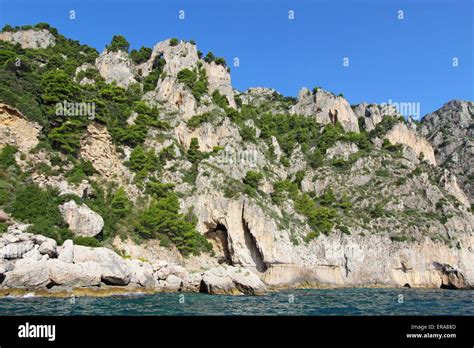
column 355, row 301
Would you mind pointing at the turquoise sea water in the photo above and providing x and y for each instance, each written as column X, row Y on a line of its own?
column 290, row 302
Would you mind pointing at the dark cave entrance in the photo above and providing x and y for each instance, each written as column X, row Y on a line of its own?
column 218, row 237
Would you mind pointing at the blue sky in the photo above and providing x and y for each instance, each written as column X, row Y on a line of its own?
column 407, row 60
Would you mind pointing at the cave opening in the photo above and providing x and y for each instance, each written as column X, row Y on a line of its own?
column 219, row 239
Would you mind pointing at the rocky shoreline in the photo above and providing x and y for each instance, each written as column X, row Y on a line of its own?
column 34, row 265
column 31, row 262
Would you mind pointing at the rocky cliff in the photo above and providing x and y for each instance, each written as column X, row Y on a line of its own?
column 181, row 183
column 451, row 133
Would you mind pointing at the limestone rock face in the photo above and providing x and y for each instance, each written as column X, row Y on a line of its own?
column 98, row 148
column 341, row 149
column 208, row 135
column 450, row 131
column 401, row 134
column 176, row 97
column 81, row 219
column 449, row 181
column 15, row 130
column 29, row 38
column 372, row 113
column 219, row 79
column 326, row 107
column 115, row 66
column 257, row 95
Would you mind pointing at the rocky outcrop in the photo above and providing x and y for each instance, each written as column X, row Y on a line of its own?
column 341, row 150
column 401, row 134
column 219, row 79
column 15, row 130
column 172, row 94
column 208, row 135
column 372, row 114
column 31, row 38
column 81, row 219
column 450, row 131
column 257, row 95
column 115, row 67
column 98, row 148
column 326, row 108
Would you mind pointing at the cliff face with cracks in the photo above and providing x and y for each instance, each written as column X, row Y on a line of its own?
column 349, row 211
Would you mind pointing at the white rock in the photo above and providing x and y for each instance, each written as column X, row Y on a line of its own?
column 81, row 219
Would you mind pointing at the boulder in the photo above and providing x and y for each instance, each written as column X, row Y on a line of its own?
column 172, row 283
column 81, row 219
column 48, row 247
column 141, row 274
column 66, row 253
column 33, row 254
column 16, row 250
column 114, row 269
column 231, row 280
column 28, row 274
column 74, row 275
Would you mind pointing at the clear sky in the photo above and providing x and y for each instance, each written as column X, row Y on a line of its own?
column 407, row 60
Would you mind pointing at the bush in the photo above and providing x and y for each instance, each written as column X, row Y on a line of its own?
column 194, row 155
column 118, row 43
column 253, row 179
column 149, row 83
column 120, row 204
column 162, row 220
column 7, row 157
column 196, row 81
column 320, row 219
column 140, row 56
column 80, row 171
column 40, row 208
column 195, row 121
column 174, row 42
column 86, row 241
column 219, row 99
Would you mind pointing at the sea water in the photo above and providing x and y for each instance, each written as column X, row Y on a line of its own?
column 348, row 301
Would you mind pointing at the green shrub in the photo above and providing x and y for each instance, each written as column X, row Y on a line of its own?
column 120, row 204
column 253, row 179
column 310, row 236
column 219, row 99
column 7, row 156
column 40, row 208
column 86, row 241
column 118, row 43
column 174, row 42
column 321, row 219
column 196, row 81
column 162, row 220
column 150, row 82
column 140, row 56
column 195, row 121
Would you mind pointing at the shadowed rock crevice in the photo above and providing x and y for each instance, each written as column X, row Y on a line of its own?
column 252, row 246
